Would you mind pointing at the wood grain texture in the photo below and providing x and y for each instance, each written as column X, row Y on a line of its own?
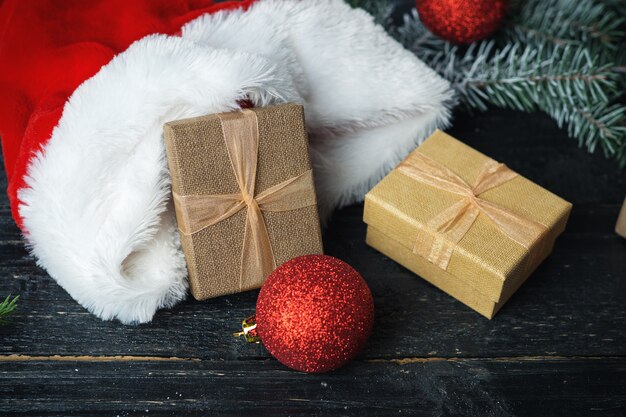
column 569, row 306
column 557, row 348
column 481, row 387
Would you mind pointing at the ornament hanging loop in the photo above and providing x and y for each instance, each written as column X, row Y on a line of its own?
column 248, row 327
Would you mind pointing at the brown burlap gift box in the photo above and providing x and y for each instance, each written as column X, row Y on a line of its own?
column 242, row 210
column 463, row 222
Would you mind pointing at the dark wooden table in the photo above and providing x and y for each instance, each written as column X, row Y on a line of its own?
column 557, row 348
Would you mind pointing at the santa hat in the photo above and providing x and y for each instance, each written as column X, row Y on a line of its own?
column 90, row 188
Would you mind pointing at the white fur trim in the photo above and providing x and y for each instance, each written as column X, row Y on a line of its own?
column 368, row 101
column 96, row 207
column 97, row 210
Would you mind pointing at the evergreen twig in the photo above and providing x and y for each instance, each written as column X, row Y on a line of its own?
column 380, row 10
column 6, row 307
column 566, row 22
column 564, row 57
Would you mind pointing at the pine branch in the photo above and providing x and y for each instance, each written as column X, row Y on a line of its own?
column 526, row 78
column 620, row 65
column 618, row 6
column 517, row 76
column 600, row 125
column 413, row 35
column 380, row 10
column 7, row 307
column 565, row 22
column 576, row 83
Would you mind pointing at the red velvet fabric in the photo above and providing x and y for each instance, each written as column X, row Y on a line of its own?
column 49, row 47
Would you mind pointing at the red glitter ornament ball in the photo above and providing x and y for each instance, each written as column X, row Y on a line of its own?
column 462, row 21
column 314, row 313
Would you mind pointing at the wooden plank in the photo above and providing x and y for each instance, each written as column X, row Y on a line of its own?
column 415, row 387
column 573, row 305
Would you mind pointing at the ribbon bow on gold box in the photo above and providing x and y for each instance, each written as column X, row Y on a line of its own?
column 244, row 195
column 464, row 222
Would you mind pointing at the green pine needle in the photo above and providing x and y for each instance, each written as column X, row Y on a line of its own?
column 564, row 57
column 565, row 22
column 7, row 307
column 380, row 9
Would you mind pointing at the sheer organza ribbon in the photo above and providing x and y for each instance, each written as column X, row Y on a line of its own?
column 445, row 230
column 197, row 212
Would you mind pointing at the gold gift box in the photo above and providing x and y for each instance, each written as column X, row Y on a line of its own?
column 486, row 266
column 201, row 164
column 620, row 226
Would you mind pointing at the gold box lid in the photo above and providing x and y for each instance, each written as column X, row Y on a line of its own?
column 485, row 257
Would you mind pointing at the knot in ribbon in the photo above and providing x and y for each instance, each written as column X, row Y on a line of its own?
column 448, row 227
column 197, row 212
